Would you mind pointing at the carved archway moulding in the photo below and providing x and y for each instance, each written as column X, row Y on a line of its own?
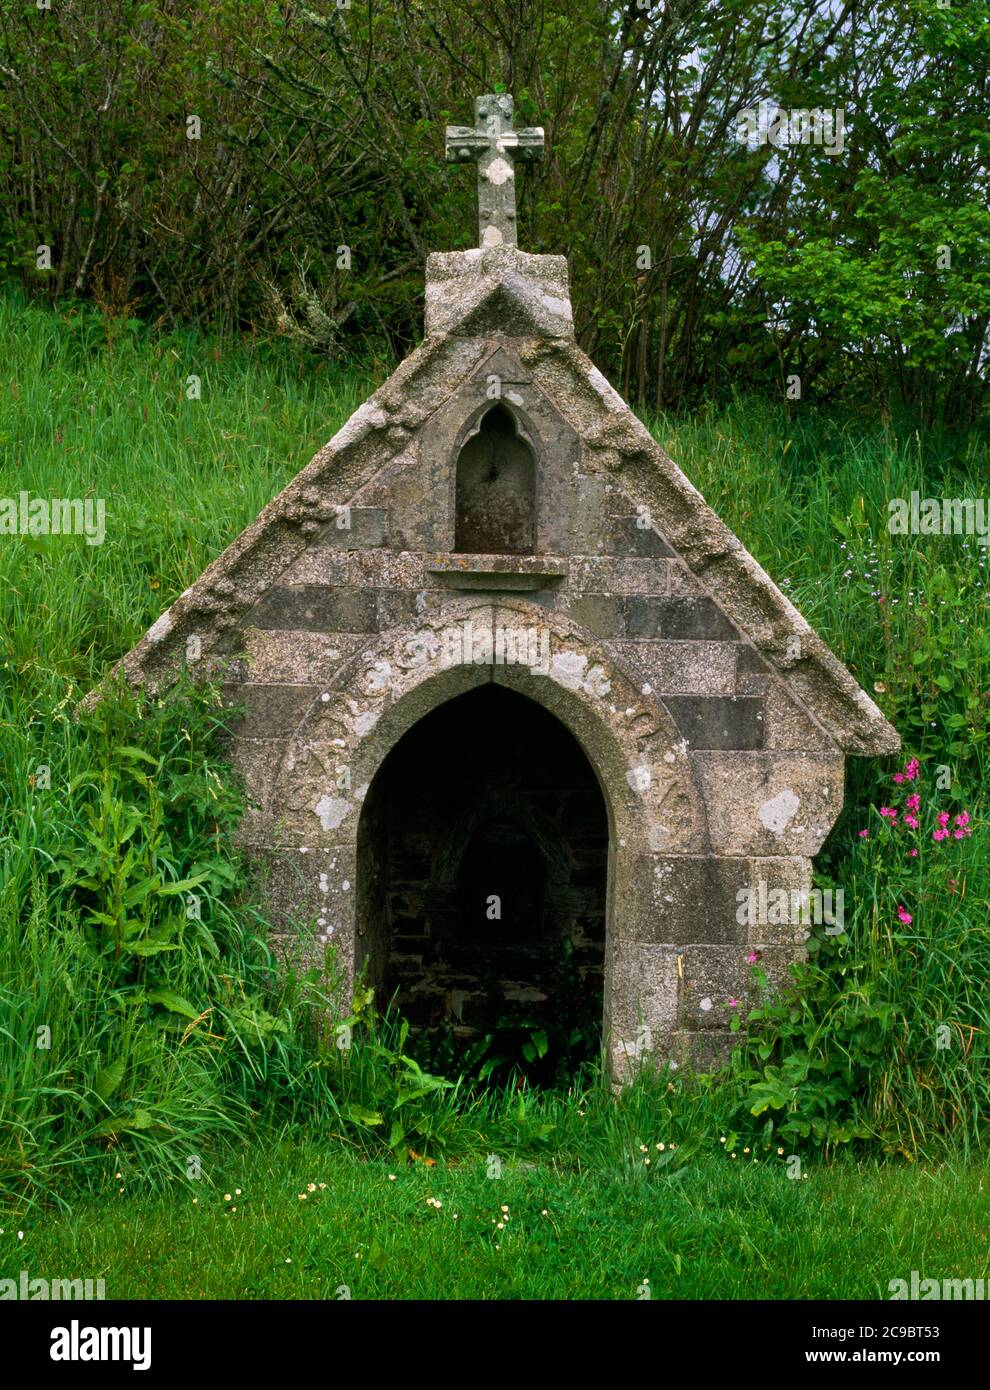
column 641, row 760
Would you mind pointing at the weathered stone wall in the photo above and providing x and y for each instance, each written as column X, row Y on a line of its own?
column 716, row 721
column 704, row 818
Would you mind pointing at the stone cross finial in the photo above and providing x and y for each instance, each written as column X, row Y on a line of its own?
column 495, row 146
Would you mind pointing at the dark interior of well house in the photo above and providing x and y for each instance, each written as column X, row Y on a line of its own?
column 483, row 853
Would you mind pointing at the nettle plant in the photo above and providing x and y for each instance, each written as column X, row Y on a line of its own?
column 148, row 858
column 883, row 1033
column 383, row 1096
column 146, row 872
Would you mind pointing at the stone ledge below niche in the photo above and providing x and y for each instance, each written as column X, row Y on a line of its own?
column 497, row 572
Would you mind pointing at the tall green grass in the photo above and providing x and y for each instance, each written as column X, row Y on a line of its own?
column 92, row 407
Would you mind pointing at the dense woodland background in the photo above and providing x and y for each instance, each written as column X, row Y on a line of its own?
column 321, row 127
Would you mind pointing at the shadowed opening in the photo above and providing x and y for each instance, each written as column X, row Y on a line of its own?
column 482, row 863
column 496, row 490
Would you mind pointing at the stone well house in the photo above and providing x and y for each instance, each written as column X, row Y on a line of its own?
column 510, row 682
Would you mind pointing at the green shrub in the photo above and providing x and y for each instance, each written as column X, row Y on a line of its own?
column 885, row 1035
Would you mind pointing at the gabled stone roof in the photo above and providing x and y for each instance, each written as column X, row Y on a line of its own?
column 476, row 300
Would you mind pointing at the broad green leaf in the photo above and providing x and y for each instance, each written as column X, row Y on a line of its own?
column 359, row 1115
column 129, row 751
column 175, row 1002
column 108, row 1079
column 183, row 885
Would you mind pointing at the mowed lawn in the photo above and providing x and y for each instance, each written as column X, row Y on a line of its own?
column 716, row 1228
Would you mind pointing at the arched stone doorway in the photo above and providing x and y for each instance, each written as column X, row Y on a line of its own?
column 658, row 837
column 482, row 897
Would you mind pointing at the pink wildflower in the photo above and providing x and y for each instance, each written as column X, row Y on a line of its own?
column 913, row 802
column 904, row 916
column 912, row 821
column 912, row 854
column 888, row 813
column 943, row 818
column 940, row 834
column 733, row 1003
column 863, row 834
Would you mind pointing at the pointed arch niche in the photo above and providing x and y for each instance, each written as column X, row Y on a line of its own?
column 495, row 489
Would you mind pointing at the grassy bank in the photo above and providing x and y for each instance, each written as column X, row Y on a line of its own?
column 189, row 1047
